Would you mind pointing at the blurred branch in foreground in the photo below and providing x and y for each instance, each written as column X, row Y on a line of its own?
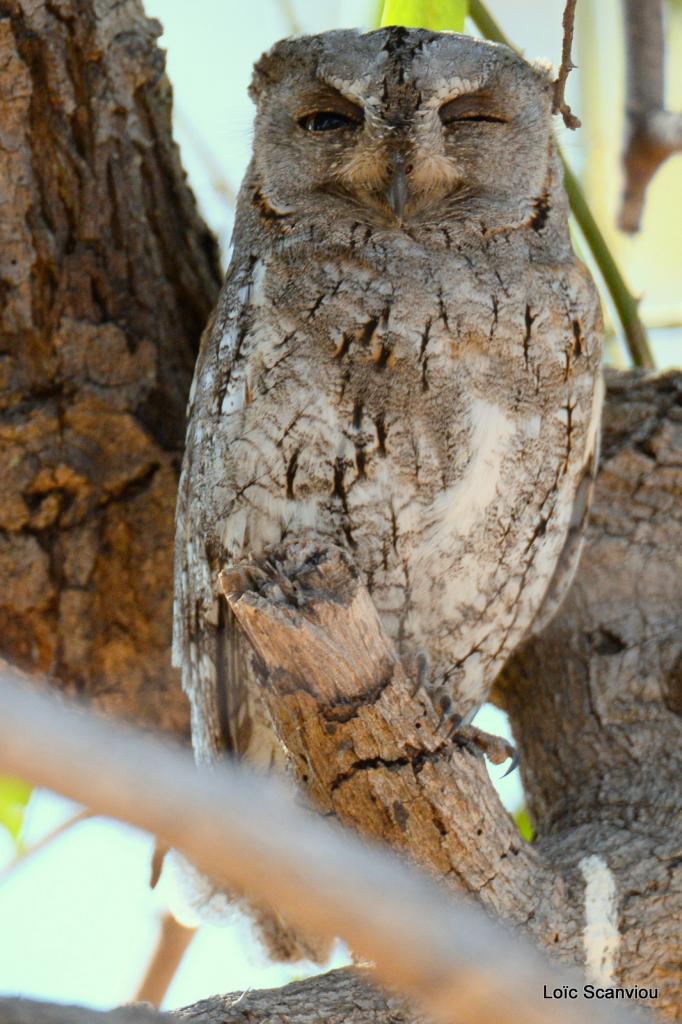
column 247, row 831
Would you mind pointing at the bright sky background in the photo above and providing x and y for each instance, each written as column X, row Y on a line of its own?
column 78, row 921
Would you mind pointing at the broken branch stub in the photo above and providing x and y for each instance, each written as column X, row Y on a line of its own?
column 312, row 623
column 362, row 741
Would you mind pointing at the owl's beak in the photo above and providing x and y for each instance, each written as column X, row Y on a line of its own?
column 397, row 192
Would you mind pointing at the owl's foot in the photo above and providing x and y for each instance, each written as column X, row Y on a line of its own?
column 459, row 729
column 477, row 742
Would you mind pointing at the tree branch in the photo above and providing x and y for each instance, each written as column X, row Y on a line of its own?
column 30, row 1011
column 651, row 133
column 560, row 106
column 246, row 831
column 345, row 996
column 173, row 942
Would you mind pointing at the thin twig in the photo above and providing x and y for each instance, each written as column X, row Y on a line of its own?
column 46, row 840
column 560, row 106
column 287, row 11
column 173, row 942
column 247, row 831
column 623, row 300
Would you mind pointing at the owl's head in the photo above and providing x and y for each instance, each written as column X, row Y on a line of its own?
column 399, row 127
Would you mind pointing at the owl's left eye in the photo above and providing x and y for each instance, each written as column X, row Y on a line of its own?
column 328, row 121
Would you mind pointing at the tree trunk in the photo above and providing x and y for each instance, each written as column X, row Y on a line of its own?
column 107, row 277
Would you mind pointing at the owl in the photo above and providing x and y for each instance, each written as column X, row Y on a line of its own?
column 404, row 361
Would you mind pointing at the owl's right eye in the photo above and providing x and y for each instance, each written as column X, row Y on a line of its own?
column 328, row 121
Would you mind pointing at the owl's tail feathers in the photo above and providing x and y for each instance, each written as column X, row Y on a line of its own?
column 196, row 645
column 199, row 898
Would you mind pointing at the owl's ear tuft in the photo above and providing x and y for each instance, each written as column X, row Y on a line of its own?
column 284, row 59
column 264, row 74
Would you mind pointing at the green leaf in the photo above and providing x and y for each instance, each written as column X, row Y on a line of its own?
column 14, row 797
column 436, row 15
column 524, row 825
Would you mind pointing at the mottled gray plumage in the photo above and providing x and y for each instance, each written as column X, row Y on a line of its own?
column 404, row 360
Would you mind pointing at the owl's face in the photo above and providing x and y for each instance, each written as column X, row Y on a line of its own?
column 399, row 127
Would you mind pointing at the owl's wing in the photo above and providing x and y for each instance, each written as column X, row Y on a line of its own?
column 567, row 565
column 207, row 645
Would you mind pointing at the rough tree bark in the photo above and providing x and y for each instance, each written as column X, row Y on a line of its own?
column 339, row 997
column 107, row 276
column 343, row 996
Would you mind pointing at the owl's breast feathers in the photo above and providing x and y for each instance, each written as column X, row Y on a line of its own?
column 434, row 414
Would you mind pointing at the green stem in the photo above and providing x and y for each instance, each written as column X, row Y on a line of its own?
column 621, row 296
column 486, row 24
column 623, row 300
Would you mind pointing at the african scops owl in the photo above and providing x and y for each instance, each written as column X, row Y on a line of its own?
column 404, row 360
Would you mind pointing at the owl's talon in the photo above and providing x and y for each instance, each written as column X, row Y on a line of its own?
column 480, row 743
column 449, row 723
column 515, row 760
